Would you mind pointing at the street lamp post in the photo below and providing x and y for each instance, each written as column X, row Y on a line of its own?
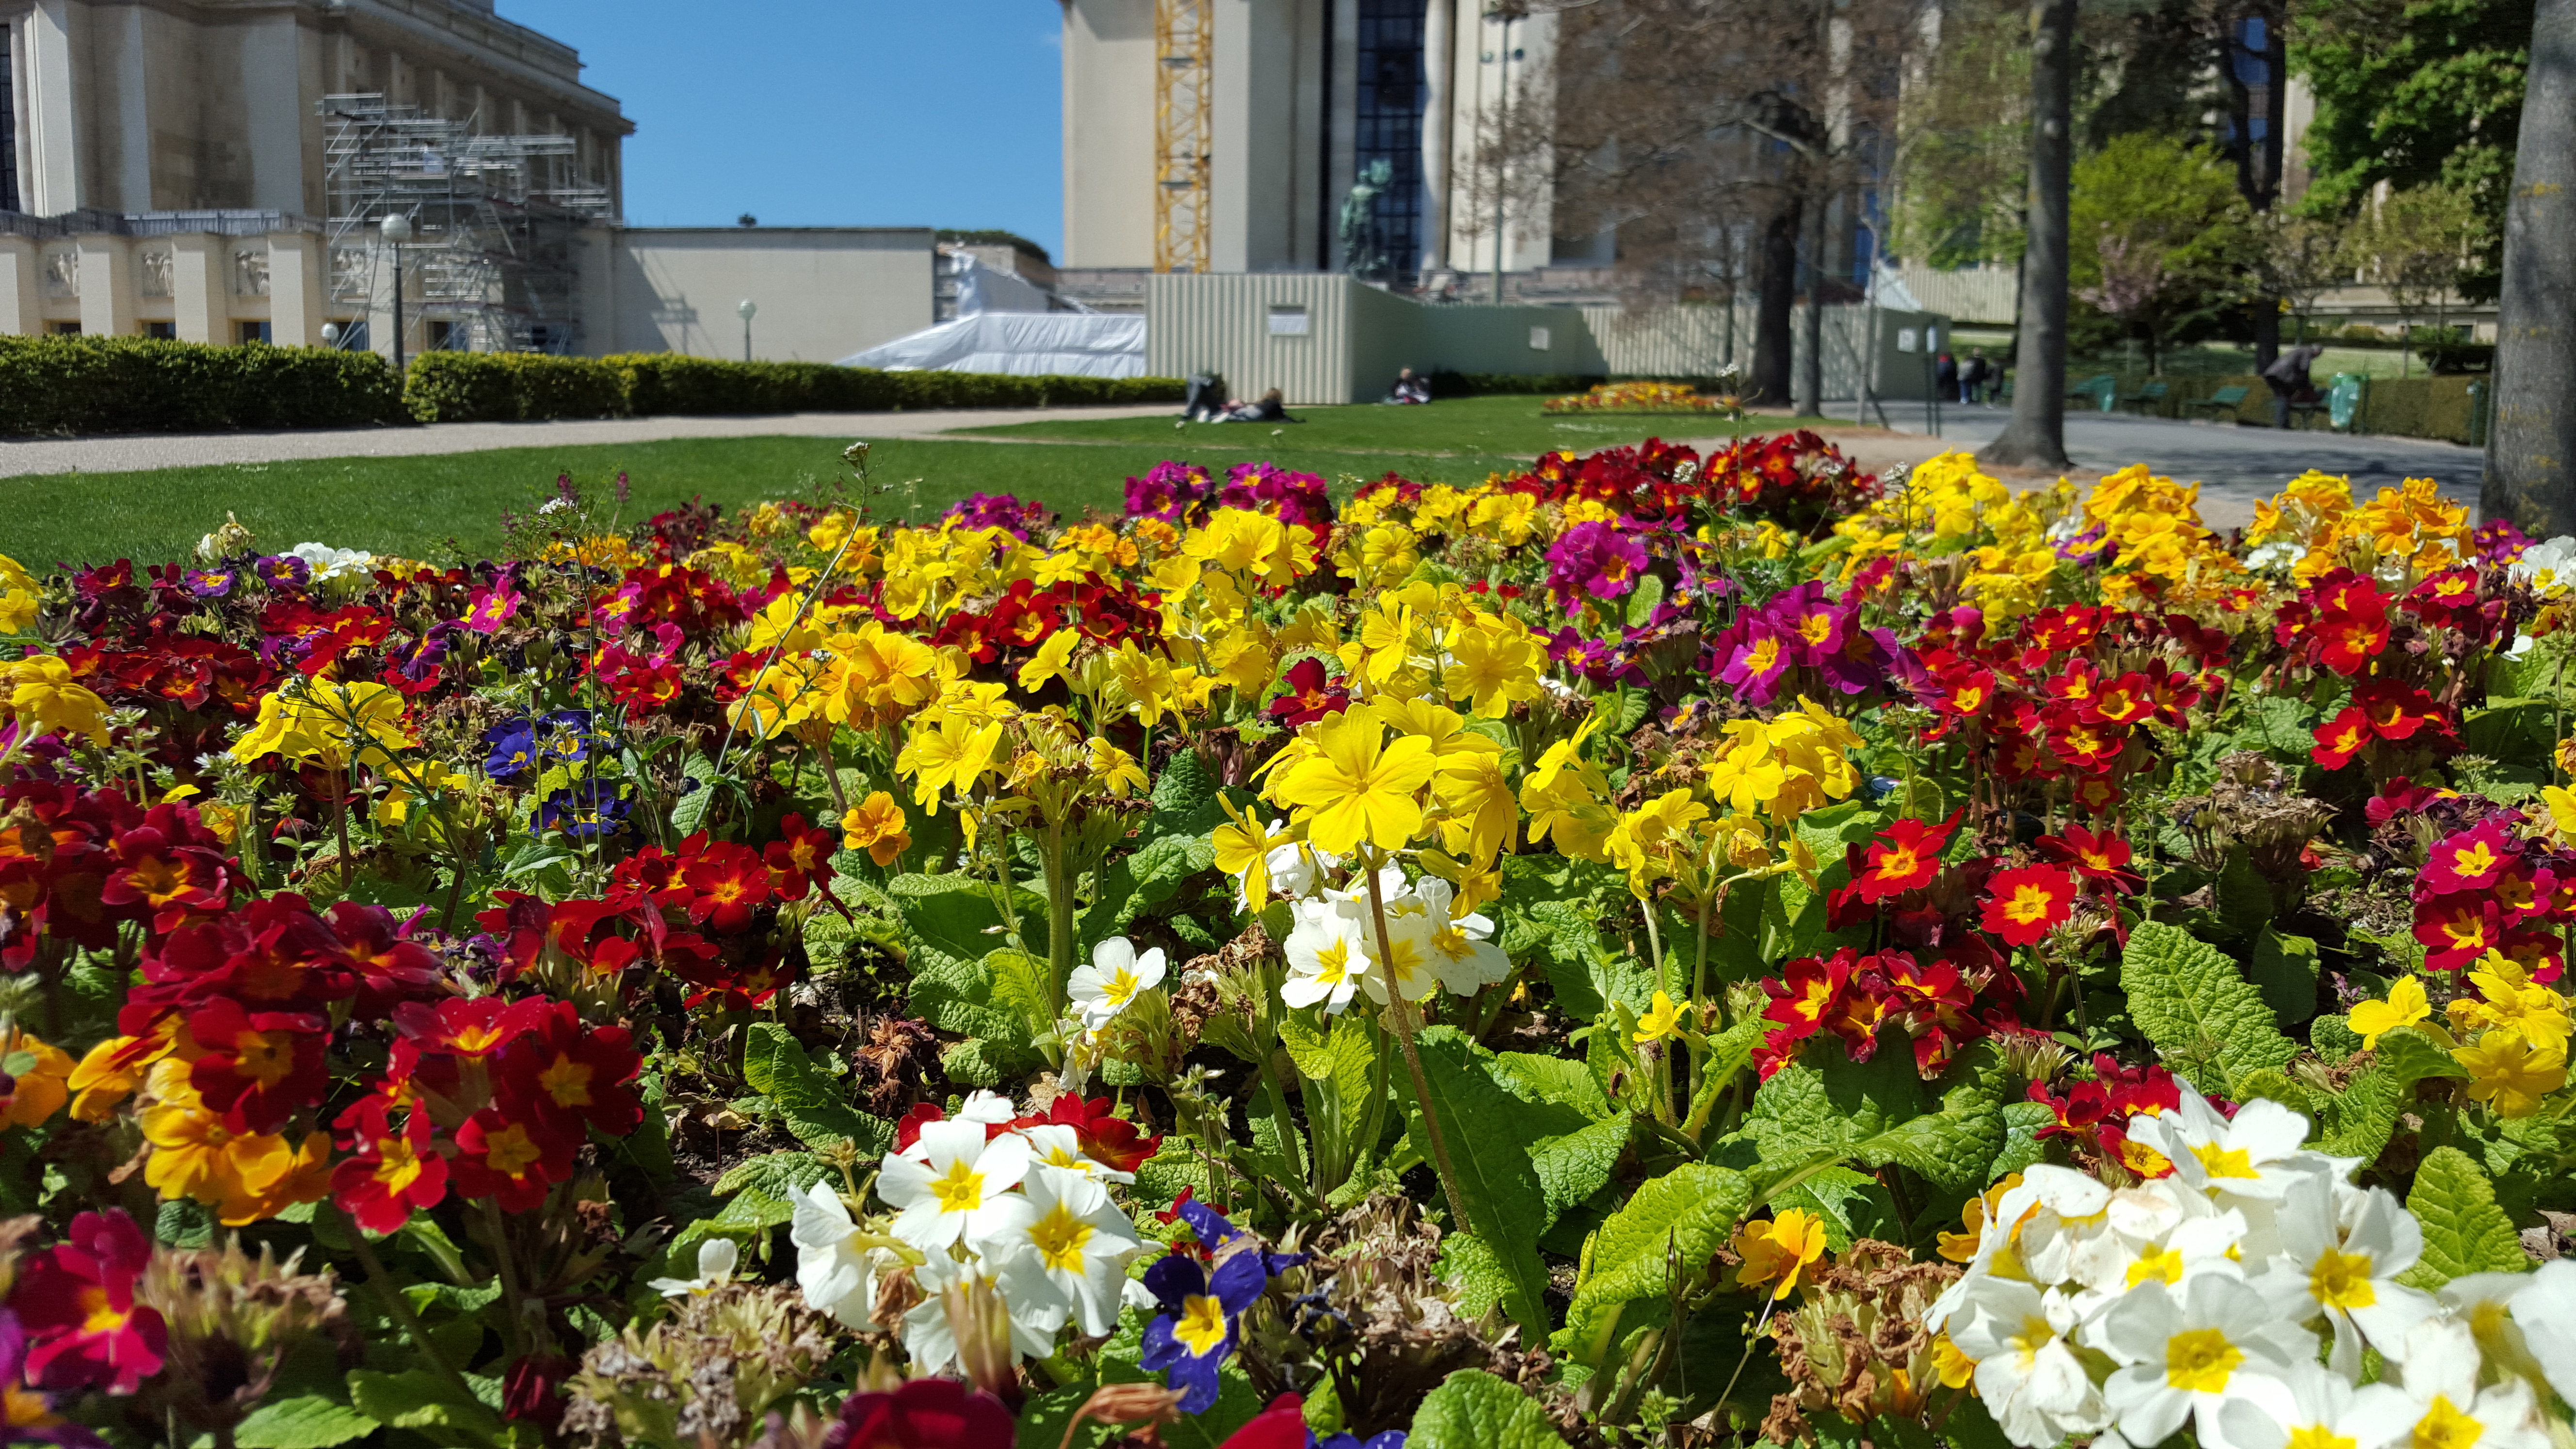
column 397, row 230
column 747, row 311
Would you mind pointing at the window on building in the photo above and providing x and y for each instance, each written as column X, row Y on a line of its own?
column 353, row 336
column 8, row 131
column 166, row 331
column 441, row 334
column 254, row 332
column 63, row 329
column 1388, row 123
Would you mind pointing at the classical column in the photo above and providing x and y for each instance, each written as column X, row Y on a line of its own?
column 200, row 277
column 22, row 298
column 1439, row 30
column 106, row 286
column 295, row 263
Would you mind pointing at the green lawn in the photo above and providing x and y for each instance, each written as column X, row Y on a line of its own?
column 1483, row 426
column 449, row 506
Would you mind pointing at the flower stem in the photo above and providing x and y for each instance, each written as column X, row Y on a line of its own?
column 400, row 1307
column 1402, row 1011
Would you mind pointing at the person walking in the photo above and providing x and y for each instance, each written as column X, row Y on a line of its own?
column 2287, row 377
column 1945, row 378
column 1974, row 376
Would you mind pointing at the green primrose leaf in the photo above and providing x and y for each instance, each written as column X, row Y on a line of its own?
column 2197, row 1008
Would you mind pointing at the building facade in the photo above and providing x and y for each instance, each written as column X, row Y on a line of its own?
column 1308, row 96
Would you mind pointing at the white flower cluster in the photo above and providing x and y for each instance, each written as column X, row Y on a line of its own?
column 1020, row 1223
column 330, row 563
column 2547, row 566
column 2211, row 1294
column 1333, row 948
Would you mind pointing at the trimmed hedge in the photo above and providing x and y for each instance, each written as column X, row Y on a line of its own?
column 146, row 385
column 511, row 386
column 2395, row 407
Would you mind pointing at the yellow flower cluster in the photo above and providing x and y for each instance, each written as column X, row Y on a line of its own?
column 1950, row 509
column 1638, row 397
column 322, row 719
column 1487, row 510
column 42, row 696
column 2315, row 518
column 18, row 596
column 2155, row 522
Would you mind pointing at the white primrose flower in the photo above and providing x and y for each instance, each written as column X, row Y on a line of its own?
column 2324, row 1411
column 2188, row 1353
column 2045, row 1223
column 1115, row 977
column 2341, row 1252
column 837, row 1274
column 977, row 1295
column 1325, row 956
column 1054, row 1145
column 1083, row 1244
column 716, row 1260
column 985, row 1108
column 2546, row 1311
column 1462, row 947
column 959, row 1188
column 2545, row 564
column 2027, row 1373
column 2446, row 1409
column 2282, row 554
column 2157, row 1230
column 2256, row 1156
column 333, row 563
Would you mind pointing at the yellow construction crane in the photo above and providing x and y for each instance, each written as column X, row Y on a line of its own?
column 1184, row 131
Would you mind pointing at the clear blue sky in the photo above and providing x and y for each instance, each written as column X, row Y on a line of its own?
column 830, row 112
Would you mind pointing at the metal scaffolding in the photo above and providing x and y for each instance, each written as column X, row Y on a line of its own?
column 1184, row 132
column 494, row 222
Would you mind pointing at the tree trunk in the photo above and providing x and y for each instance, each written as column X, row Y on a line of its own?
column 1775, row 283
column 1809, row 398
column 2533, row 443
column 2036, row 436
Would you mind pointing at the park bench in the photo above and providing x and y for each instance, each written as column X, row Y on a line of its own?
column 2222, row 403
column 2146, row 398
column 2102, row 388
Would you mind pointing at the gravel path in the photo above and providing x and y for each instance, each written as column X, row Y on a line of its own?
column 127, row 453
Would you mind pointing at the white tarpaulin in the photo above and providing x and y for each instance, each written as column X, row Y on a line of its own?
column 1024, row 344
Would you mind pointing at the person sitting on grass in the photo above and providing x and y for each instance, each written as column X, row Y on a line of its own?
column 1270, row 409
column 1409, row 389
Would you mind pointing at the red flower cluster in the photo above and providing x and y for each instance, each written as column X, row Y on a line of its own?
column 2063, row 694
column 1098, row 1131
column 497, row 1096
column 669, row 593
column 77, row 866
column 2381, row 709
column 697, row 913
column 2483, row 888
column 2094, row 1116
column 1937, row 1005
column 1024, row 615
column 75, row 1303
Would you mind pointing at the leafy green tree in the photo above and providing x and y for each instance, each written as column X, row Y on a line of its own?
column 2159, row 236
column 2416, row 92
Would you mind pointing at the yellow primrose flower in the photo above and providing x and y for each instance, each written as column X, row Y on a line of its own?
column 1115, row 769
column 1777, row 1252
column 1495, row 663
column 1478, row 814
column 2405, row 1006
column 1661, row 1021
column 316, row 723
column 1645, row 836
column 2510, row 1074
column 1049, row 662
column 2512, row 1002
column 18, row 596
column 46, row 700
column 1358, row 785
column 1243, row 849
column 877, row 826
column 953, row 754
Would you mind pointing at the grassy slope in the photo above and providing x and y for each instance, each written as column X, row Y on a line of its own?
column 449, row 506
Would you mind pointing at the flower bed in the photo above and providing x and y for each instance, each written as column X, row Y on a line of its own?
column 1650, row 948
column 1641, row 397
